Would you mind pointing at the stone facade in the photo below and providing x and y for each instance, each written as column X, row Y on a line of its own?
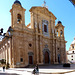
column 40, row 42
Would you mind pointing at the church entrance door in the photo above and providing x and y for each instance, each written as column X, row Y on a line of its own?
column 58, row 58
column 30, row 60
column 46, row 57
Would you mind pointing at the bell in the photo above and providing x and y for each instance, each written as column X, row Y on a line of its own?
column 18, row 20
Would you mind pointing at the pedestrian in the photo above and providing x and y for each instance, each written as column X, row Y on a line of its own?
column 37, row 68
column 3, row 68
column 34, row 71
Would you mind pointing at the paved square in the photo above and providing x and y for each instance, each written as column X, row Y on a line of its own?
column 43, row 70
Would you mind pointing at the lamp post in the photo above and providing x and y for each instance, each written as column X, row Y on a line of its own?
column 8, row 36
column 1, row 36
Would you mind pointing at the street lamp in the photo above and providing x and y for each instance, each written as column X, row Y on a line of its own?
column 8, row 34
column 1, row 31
column 1, row 36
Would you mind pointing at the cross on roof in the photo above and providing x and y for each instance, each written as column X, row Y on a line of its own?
column 44, row 3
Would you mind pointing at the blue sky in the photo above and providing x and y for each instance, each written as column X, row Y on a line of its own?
column 62, row 9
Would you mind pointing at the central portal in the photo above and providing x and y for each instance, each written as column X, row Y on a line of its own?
column 46, row 57
column 30, row 60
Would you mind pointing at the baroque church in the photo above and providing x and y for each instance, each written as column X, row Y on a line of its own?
column 40, row 42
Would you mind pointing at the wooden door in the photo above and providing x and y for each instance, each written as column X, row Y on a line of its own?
column 58, row 58
column 30, row 60
column 46, row 57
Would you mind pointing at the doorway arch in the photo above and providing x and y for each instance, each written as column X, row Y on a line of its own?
column 59, row 58
column 30, row 60
column 46, row 56
column 30, row 57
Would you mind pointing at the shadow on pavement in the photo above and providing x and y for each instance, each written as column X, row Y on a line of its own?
column 72, row 66
column 55, row 66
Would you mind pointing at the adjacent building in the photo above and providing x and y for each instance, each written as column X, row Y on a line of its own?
column 71, row 52
column 40, row 42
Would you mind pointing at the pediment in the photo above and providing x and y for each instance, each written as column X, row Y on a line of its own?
column 42, row 10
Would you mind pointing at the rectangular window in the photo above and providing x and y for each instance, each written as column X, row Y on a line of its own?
column 21, row 59
column 45, row 28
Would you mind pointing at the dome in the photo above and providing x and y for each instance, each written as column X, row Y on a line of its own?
column 59, row 22
column 17, row 2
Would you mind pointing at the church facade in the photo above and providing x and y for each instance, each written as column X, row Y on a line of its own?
column 40, row 42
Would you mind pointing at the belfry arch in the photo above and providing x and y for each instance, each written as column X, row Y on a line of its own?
column 19, row 18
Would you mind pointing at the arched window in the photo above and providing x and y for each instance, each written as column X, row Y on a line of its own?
column 72, row 46
column 21, row 59
column 73, row 51
column 61, row 32
column 19, row 18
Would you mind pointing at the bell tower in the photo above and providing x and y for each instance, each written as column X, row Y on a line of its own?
column 60, row 29
column 17, row 14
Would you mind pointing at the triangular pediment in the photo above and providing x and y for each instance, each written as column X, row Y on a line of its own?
column 42, row 10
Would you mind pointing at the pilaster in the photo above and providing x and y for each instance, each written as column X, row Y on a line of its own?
column 37, row 51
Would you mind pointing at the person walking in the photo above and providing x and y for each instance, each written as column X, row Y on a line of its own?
column 37, row 68
column 3, row 68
